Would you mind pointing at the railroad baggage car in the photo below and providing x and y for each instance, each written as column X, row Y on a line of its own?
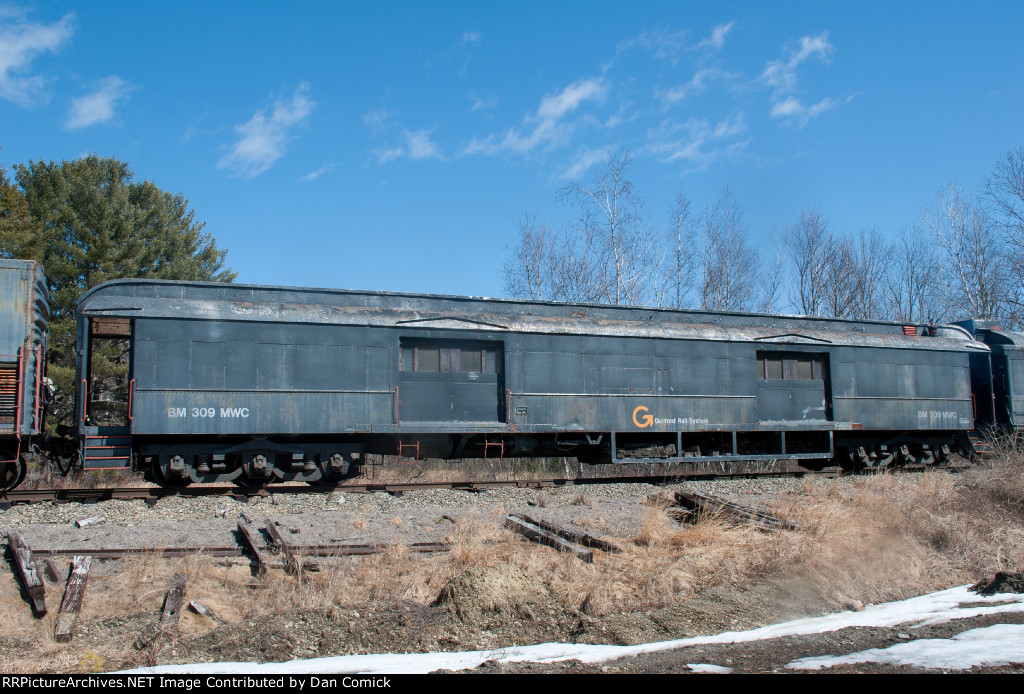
column 258, row 384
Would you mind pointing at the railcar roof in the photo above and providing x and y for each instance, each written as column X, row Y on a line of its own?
column 138, row 298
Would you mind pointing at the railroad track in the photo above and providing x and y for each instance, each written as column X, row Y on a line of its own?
column 153, row 495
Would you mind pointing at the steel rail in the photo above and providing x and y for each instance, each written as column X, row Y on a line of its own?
column 154, row 494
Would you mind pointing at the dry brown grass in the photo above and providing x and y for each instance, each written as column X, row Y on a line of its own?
column 859, row 540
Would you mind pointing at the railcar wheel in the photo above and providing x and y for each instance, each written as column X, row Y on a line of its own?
column 157, row 473
column 12, row 472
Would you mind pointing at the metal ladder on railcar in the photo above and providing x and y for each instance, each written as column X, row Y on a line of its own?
column 980, row 445
column 107, row 447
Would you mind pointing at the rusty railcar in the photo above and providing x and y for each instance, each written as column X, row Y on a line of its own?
column 256, row 384
column 24, row 316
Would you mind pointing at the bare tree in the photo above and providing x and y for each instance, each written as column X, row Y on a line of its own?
column 1004, row 192
column 527, row 270
column 838, row 278
column 972, row 258
column 727, row 266
column 810, row 247
column 772, row 280
column 872, row 258
column 912, row 279
column 572, row 272
column 679, row 268
column 624, row 256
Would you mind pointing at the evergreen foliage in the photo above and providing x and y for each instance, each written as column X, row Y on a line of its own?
column 88, row 221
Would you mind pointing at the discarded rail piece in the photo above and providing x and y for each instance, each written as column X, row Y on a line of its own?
column 560, row 538
column 694, row 505
column 28, row 572
column 72, row 603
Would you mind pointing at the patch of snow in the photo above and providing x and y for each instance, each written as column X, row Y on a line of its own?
column 999, row 644
column 707, row 669
column 926, row 609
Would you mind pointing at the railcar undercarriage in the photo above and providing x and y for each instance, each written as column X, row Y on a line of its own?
column 261, row 461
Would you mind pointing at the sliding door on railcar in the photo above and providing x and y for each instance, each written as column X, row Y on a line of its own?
column 450, row 381
column 793, row 386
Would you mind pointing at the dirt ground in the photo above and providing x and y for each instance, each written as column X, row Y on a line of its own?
column 495, row 608
column 493, row 589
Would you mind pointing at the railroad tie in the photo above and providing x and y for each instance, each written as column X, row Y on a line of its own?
column 28, row 572
column 72, row 603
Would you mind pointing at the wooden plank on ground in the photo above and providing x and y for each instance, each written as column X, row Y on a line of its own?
column 697, row 504
column 169, row 614
column 291, row 564
column 201, row 609
column 246, row 535
column 172, row 601
column 28, row 572
column 537, row 534
column 51, row 571
column 573, row 536
column 72, row 603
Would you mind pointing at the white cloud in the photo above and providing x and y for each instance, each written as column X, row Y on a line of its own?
column 583, row 162
column 262, row 139
column 794, row 108
column 420, row 146
column 480, row 104
column 377, row 121
column 782, row 74
column 548, row 125
column 384, row 155
column 717, row 38
column 97, row 107
column 663, row 45
column 313, row 175
column 700, row 80
column 697, row 141
column 20, row 43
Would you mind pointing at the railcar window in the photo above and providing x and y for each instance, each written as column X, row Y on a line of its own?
column 427, row 359
column 451, row 357
column 790, row 367
column 470, row 361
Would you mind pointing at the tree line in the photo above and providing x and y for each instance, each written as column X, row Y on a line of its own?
column 963, row 258
column 88, row 221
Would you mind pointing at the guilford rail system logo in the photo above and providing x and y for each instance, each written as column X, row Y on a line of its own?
column 643, row 419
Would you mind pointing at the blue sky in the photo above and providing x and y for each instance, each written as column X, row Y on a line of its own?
column 394, row 146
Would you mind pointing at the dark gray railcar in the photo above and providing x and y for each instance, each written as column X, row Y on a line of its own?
column 24, row 316
column 235, row 381
column 999, row 381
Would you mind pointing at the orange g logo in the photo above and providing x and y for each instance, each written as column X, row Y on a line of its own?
column 645, row 420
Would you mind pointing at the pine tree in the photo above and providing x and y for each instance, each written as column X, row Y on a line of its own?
column 92, row 223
